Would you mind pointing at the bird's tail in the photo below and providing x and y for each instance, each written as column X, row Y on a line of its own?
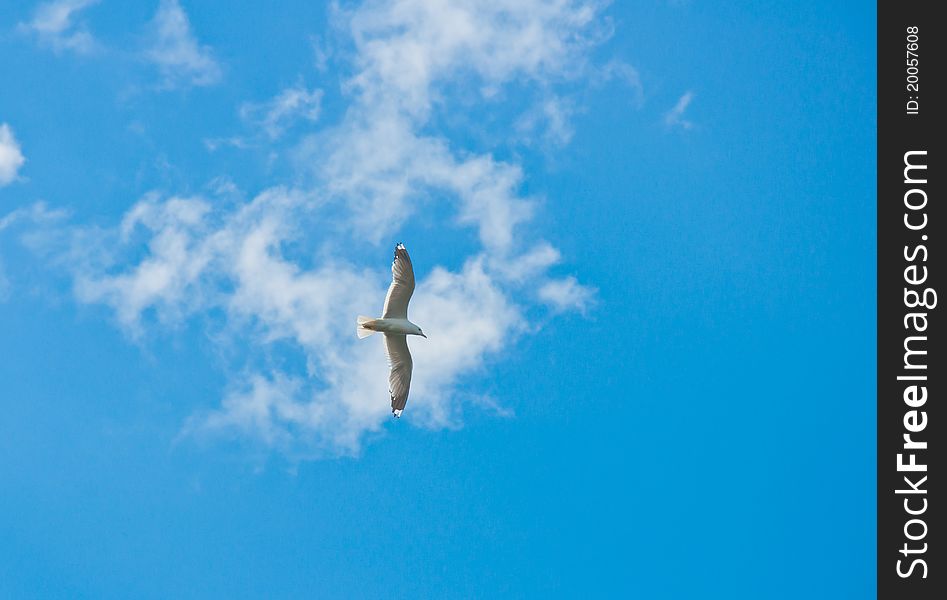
column 360, row 329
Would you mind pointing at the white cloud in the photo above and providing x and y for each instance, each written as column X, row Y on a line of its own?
column 382, row 167
column 199, row 261
column 11, row 156
column 54, row 25
column 551, row 118
column 407, row 53
column 675, row 116
column 616, row 70
column 567, row 294
column 35, row 217
column 258, row 408
column 173, row 48
column 35, row 214
column 531, row 263
column 236, row 141
column 164, row 281
column 405, row 47
column 275, row 116
column 283, row 270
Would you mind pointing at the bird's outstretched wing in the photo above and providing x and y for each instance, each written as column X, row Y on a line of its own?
column 399, row 380
column 402, row 286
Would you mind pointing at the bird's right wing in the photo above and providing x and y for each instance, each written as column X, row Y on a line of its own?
column 399, row 380
column 402, row 285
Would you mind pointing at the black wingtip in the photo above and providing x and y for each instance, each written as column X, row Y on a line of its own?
column 399, row 247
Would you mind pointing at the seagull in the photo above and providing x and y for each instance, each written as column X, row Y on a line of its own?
column 396, row 327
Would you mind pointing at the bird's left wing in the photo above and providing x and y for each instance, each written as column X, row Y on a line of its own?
column 402, row 285
column 399, row 380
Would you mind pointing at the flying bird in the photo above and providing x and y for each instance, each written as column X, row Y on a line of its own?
column 396, row 327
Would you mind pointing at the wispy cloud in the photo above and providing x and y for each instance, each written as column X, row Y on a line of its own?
column 675, row 116
column 407, row 52
column 567, row 294
column 234, row 141
column 620, row 71
column 173, row 48
column 283, row 268
column 54, row 25
column 276, row 115
column 406, row 47
column 36, row 214
column 11, row 156
column 35, row 218
column 551, row 118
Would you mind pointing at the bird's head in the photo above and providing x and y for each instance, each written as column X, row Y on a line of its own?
column 421, row 333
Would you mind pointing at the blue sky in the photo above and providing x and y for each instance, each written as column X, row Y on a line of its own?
column 644, row 236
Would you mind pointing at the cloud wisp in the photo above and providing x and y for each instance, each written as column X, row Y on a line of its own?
column 675, row 116
column 54, row 25
column 293, row 104
column 280, row 273
column 172, row 47
column 11, row 155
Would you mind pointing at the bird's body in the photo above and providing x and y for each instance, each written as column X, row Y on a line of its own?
column 394, row 324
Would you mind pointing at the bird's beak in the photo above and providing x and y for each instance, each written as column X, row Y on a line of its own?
column 422, row 335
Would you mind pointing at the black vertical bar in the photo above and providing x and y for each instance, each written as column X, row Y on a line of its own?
column 911, row 370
